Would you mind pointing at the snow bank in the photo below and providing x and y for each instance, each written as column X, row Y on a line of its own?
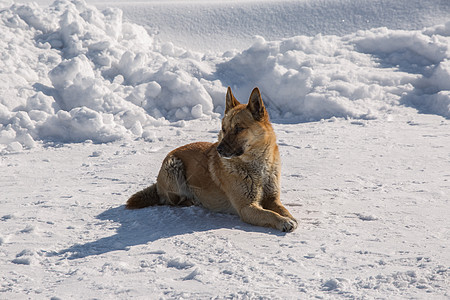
column 425, row 53
column 308, row 78
column 70, row 73
column 220, row 25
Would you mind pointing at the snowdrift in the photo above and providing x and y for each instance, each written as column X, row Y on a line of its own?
column 71, row 73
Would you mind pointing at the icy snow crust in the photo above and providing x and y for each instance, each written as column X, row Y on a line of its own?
column 71, row 73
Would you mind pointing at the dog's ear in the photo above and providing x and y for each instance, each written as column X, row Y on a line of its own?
column 230, row 101
column 256, row 105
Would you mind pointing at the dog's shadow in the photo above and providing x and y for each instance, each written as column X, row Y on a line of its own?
column 139, row 227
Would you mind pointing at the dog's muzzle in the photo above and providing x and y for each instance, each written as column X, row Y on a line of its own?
column 226, row 153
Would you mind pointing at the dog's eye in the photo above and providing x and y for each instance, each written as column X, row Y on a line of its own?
column 238, row 129
column 223, row 130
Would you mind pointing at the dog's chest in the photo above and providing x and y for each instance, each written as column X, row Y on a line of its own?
column 258, row 175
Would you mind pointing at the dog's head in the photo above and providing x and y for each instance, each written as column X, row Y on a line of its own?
column 246, row 128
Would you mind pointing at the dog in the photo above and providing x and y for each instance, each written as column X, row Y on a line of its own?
column 238, row 174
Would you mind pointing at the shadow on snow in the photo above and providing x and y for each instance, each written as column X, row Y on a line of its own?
column 139, row 227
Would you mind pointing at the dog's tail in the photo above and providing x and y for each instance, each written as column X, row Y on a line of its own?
column 147, row 197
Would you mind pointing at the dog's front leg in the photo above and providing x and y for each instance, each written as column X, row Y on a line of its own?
column 272, row 202
column 256, row 215
column 247, row 194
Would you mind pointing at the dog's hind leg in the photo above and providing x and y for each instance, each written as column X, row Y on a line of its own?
column 172, row 185
column 170, row 189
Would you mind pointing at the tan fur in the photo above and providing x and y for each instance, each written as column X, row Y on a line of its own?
column 238, row 174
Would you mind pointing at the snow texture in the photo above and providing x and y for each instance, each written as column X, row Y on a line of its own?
column 371, row 198
column 91, row 102
column 72, row 73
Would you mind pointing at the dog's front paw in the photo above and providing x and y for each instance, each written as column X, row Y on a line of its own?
column 289, row 225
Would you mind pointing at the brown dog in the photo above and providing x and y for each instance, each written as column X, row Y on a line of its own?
column 239, row 174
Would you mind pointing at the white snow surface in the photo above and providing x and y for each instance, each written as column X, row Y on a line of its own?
column 371, row 198
column 92, row 98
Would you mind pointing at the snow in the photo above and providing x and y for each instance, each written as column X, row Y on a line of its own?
column 92, row 98
column 74, row 73
column 233, row 23
column 372, row 203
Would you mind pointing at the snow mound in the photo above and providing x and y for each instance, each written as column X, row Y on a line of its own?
column 71, row 73
column 363, row 75
column 425, row 53
column 311, row 78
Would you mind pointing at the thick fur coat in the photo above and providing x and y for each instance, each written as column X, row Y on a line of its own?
column 239, row 174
